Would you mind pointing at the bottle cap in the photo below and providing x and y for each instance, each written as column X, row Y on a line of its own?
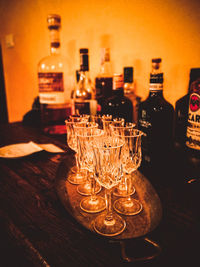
column 156, row 60
column 83, row 50
column 128, row 74
column 54, row 21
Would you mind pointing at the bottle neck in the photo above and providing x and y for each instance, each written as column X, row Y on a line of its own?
column 156, row 89
column 54, row 41
column 105, row 69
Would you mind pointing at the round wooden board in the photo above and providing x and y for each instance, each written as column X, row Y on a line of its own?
column 136, row 226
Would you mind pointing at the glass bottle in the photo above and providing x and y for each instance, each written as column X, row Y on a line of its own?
column 181, row 112
column 84, row 93
column 155, row 119
column 118, row 105
column 193, row 121
column 52, row 94
column 104, row 80
column 129, row 91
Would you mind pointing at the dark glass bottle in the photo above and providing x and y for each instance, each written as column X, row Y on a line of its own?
column 118, row 105
column 193, row 119
column 84, row 93
column 155, row 119
column 181, row 112
column 104, row 80
column 129, row 91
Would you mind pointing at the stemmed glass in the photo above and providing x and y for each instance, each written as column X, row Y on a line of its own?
column 131, row 160
column 81, row 129
column 121, row 189
column 86, row 138
column 108, row 172
column 106, row 121
column 78, row 118
column 78, row 176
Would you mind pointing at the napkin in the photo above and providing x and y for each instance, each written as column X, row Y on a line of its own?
column 25, row 149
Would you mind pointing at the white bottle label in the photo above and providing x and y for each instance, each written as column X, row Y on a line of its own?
column 155, row 86
column 51, row 89
column 193, row 128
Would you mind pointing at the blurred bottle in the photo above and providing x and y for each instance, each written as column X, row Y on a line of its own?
column 181, row 112
column 129, row 91
column 193, row 125
column 155, row 119
column 84, row 93
column 55, row 106
column 104, row 80
column 118, row 105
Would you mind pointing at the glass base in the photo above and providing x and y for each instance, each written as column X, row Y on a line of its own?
column 112, row 227
column 93, row 206
column 121, row 191
column 76, row 178
column 85, row 188
column 127, row 207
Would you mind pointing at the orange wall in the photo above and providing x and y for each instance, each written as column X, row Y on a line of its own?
column 135, row 31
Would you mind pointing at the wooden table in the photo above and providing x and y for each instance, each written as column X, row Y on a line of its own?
column 37, row 230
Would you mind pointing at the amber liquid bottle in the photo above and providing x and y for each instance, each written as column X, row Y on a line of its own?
column 104, row 80
column 155, row 119
column 52, row 91
column 129, row 91
column 119, row 105
column 84, row 94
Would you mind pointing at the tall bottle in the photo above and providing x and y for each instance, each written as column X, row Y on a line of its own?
column 118, row 105
column 129, row 91
column 181, row 112
column 52, row 94
column 193, row 125
column 104, row 80
column 155, row 119
column 84, row 93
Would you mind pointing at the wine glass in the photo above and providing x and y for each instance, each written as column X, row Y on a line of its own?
column 77, row 177
column 78, row 118
column 108, row 172
column 121, row 189
column 131, row 160
column 86, row 138
column 81, row 129
column 106, row 121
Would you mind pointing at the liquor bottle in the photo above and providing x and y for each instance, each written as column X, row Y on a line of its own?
column 181, row 112
column 52, row 94
column 187, row 130
column 129, row 91
column 84, row 93
column 193, row 126
column 104, row 80
column 118, row 105
column 155, row 119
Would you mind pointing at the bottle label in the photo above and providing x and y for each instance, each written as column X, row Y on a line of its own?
column 193, row 128
column 51, row 89
column 155, row 86
column 82, row 107
column 118, row 81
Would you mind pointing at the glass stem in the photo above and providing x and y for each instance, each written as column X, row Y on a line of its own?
column 109, row 215
column 77, row 162
column 93, row 184
column 128, row 186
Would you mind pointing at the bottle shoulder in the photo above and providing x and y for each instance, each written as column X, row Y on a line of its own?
column 51, row 63
column 156, row 103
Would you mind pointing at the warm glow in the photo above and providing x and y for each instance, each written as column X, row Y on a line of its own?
column 135, row 32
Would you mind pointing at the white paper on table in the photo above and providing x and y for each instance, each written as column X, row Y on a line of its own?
column 25, row 149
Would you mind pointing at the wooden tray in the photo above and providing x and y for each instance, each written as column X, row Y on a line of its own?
column 137, row 226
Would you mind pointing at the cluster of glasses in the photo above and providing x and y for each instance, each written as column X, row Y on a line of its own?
column 107, row 152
